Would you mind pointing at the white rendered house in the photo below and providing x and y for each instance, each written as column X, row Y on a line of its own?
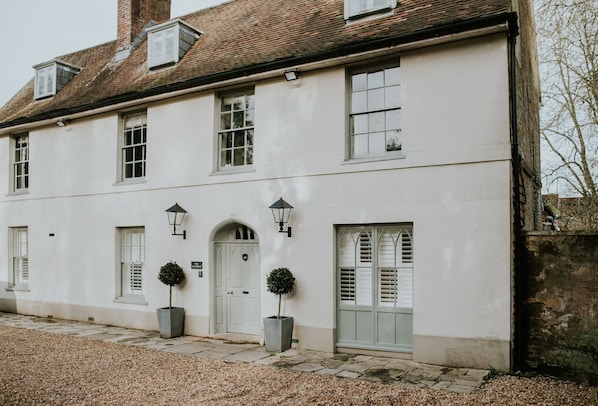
column 407, row 146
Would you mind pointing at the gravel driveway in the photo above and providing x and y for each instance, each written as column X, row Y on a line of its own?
column 51, row 369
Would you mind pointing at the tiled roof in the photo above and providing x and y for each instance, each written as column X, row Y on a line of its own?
column 247, row 36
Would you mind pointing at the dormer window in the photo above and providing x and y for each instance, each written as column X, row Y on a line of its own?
column 359, row 8
column 168, row 42
column 52, row 76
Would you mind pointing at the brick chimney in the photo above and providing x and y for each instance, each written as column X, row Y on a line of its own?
column 133, row 17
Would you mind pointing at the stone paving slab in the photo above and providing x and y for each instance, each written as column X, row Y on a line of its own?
column 383, row 370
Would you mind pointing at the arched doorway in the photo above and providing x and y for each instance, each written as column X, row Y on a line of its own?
column 236, row 282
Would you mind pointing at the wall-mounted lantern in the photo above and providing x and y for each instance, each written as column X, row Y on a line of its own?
column 281, row 211
column 176, row 214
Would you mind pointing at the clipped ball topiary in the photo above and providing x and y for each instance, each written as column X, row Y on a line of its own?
column 171, row 274
column 280, row 281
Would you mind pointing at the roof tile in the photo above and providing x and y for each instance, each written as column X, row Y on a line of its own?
column 240, row 35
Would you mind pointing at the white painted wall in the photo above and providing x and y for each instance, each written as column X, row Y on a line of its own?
column 453, row 185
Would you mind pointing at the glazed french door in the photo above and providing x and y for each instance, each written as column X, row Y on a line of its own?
column 374, row 276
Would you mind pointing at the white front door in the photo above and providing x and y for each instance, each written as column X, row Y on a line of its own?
column 243, row 289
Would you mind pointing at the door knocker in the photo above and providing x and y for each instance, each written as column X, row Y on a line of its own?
column 245, row 257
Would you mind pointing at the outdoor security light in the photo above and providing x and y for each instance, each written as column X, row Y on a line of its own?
column 281, row 211
column 176, row 214
column 291, row 74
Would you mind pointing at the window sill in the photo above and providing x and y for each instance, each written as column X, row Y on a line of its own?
column 134, row 181
column 18, row 193
column 17, row 289
column 389, row 157
column 233, row 171
column 131, row 300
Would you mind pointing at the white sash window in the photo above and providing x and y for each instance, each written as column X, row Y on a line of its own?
column 20, row 258
column 132, row 263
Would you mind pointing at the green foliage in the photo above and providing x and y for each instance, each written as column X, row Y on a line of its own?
column 280, row 281
column 171, row 274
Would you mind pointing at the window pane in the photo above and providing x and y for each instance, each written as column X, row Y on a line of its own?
column 238, row 119
column 360, row 145
column 375, row 99
column 359, row 102
column 377, row 143
column 238, row 103
column 250, row 101
column 226, row 157
column 137, row 136
column 249, row 118
column 393, row 119
column 393, row 96
column 225, row 121
column 249, row 156
column 376, row 121
column 392, row 76
column 227, row 103
column 239, row 156
column 393, row 141
column 359, row 82
column 376, row 80
column 139, row 153
column 249, row 137
column 227, row 140
column 360, row 124
column 239, row 138
column 139, row 170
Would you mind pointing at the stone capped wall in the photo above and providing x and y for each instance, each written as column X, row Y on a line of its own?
column 560, row 305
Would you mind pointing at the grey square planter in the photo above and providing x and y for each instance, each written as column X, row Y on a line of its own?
column 171, row 321
column 278, row 333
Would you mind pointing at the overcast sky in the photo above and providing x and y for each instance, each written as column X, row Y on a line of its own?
column 36, row 31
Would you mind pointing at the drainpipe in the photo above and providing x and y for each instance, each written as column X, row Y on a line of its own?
column 517, row 351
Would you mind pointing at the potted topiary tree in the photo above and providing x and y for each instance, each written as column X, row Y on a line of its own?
column 171, row 319
column 278, row 331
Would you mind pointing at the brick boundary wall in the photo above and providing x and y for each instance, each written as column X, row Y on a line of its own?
column 560, row 304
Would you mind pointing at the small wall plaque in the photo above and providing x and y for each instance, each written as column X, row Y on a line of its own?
column 196, row 265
